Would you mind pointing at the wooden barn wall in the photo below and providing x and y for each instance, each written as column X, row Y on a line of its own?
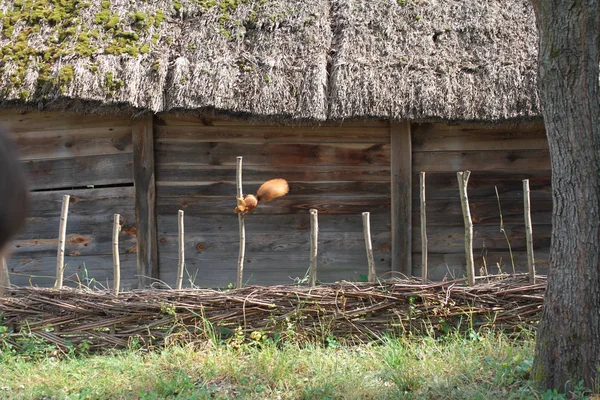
column 340, row 169
column 90, row 158
column 499, row 156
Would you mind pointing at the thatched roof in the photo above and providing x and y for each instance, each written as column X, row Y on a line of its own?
column 299, row 59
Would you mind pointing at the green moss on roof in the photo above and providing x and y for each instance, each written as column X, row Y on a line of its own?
column 158, row 18
column 65, row 34
column 65, row 77
column 111, row 83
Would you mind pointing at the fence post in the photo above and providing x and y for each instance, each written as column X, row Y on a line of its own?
column 240, row 266
column 528, row 230
column 116, row 260
column 463, row 180
column 4, row 277
column 369, row 245
column 181, row 265
column 424, row 266
column 314, row 235
column 62, row 232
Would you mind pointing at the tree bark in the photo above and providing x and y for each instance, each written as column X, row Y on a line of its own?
column 568, row 338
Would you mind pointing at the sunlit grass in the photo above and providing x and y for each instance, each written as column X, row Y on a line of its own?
column 475, row 366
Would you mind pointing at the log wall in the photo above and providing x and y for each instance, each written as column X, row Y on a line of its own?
column 498, row 156
column 340, row 169
column 90, row 158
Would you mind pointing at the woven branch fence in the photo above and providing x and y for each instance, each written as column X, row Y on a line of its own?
column 353, row 312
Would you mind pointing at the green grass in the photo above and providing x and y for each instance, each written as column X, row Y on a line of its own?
column 488, row 366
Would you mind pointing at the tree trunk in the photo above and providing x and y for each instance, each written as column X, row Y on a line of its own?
column 568, row 338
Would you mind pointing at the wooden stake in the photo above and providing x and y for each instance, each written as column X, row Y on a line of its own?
column 424, row 267
column 4, row 278
column 528, row 231
column 463, row 180
column 240, row 266
column 314, row 235
column 181, row 265
column 366, row 217
column 62, row 233
column 116, row 260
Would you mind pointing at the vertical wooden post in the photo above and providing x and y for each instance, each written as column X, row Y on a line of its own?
column 528, row 231
column 116, row 260
column 401, row 181
column 4, row 277
column 240, row 193
column 366, row 217
column 424, row 267
column 181, row 265
column 314, row 238
column 145, row 200
column 463, row 180
column 62, row 233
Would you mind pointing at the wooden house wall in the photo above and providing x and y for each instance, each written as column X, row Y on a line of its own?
column 90, row 158
column 340, row 169
column 497, row 156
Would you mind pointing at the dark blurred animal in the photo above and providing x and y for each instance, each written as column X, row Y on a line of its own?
column 14, row 196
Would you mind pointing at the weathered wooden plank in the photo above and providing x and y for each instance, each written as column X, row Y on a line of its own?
column 451, row 266
column 221, row 244
column 491, row 160
column 145, row 200
column 17, row 122
column 447, row 212
column 44, row 227
column 465, row 137
column 201, row 189
column 483, row 128
column 50, row 144
column 87, row 202
column 40, row 271
column 94, row 241
column 290, row 204
column 513, row 217
column 174, row 119
column 281, row 224
column 271, row 134
column 88, row 233
column 79, row 171
column 270, row 269
column 401, row 197
column 258, row 174
column 451, row 239
column 223, row 153
column 443, row 185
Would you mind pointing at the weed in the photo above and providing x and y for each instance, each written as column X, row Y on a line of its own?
column 503, row 231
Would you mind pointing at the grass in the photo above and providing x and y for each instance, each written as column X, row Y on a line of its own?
column 476, row 366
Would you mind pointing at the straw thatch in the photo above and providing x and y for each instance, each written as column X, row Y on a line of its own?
column 348, row 311
column 309, row 59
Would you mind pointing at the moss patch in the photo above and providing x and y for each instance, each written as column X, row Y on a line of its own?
column 66, row 32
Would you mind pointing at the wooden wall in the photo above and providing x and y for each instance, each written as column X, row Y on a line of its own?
column 340, row 169
column 498, row 156
column 90, row 158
